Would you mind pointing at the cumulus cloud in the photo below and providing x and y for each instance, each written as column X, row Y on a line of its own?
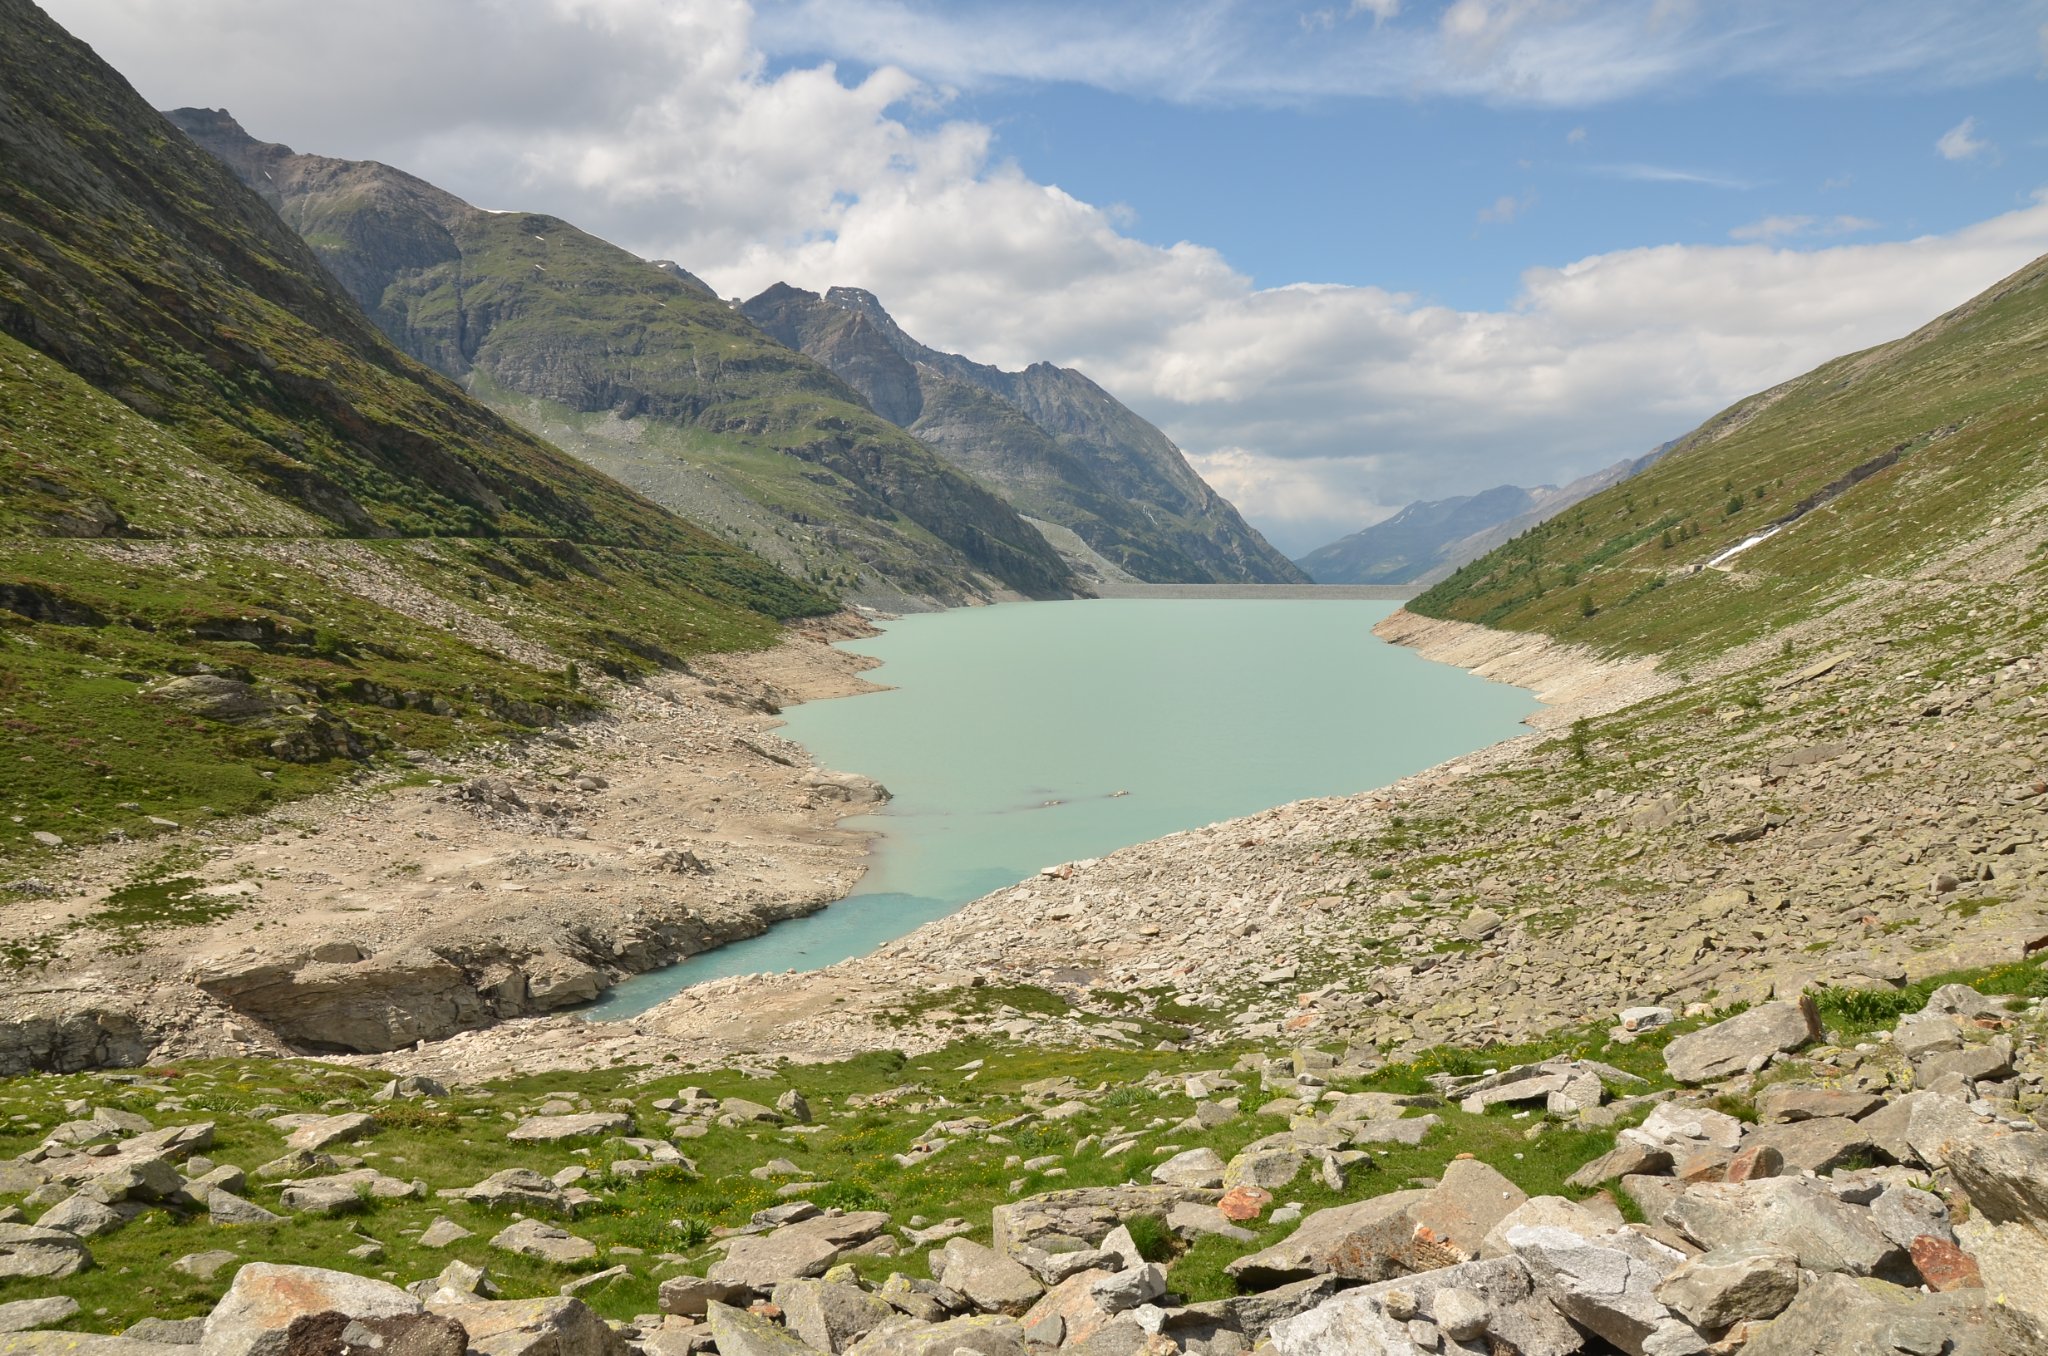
column 674, row 131
column 1961, row 142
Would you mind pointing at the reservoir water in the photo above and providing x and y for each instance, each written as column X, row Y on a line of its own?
column 1020, row 736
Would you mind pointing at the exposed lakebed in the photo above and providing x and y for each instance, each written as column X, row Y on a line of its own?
column 1019, row 736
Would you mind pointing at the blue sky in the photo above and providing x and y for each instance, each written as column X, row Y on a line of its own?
column 1348, row 253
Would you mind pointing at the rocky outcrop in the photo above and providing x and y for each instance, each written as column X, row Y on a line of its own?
column 383, row 1002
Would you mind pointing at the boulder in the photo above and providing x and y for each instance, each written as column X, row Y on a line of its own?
column 803, row 1249
column 1364, row 1241
column 1725, row 1286
column 44, row 1254
column 254, row 1317
column 318, row 1132
column 1818, row 1145
column 551, row 1326
column 344, row 1192
column 514, row 1189
column 1081, row 1217
column 1850, row 1316
column 87, row 1216
column 1794, row 1213
column 828, row 1316
column 550, row 1129
column 531, row 1238
column 688, row 1296
column 1587, row 1219
column 385, row 1003
column 1452, row 1219
column 1374, row 1320
column 1068, row 1313
column 1607, row 1286
column 1743, row 1042
column 1194, row 1168
column 991, row 1282
column 1269, row 1168
column 979, row 1335
column 739, row 1332
column 28, row 1314
column 1124, row 1290
column 2005, row 1173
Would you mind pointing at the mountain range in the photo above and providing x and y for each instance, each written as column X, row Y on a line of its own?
column 1428, row 539
column 638, row 368
column 1048, row 439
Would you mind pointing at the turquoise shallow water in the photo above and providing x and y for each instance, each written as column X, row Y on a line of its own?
column 1011, row 730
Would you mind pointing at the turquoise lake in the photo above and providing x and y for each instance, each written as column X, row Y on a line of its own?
column 1024, row 735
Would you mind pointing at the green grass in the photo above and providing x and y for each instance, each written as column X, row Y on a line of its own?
column 1859, row 1012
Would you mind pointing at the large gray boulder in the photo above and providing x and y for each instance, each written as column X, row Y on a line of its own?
column 1850, row 1316
column 1081, row 1217
column 385, row 1003
column 1374, row 1320
column 531, row 1238
column 550, row 1326
column 83, row 1344
column 741, row 1333
column 514, row 1189
column 1192, row 1168
column 992, row 1283
column 29, row 1314
column 829, row 1316
column 1364, row 1241
column 1794, row 1213
column 1607, row 1286
column 1743, row 1042
column 804, row 1249
column 44, row 1254
column 549, row 1129
column 2005, row 1174
column 252, row 1319
column 1725, row 1286
column 977, row 1335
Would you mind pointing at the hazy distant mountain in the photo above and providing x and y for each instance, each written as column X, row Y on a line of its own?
column 1049, row 440
column 637, row 368
column 1429, row 539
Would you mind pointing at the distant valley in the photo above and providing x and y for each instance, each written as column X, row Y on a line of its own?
column 1429, row 539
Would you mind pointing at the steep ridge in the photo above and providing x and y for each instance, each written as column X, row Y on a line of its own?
column 637, row 368
column 1077, row 457
column 247, row 543
column 1430, row 538
column 1881, row 465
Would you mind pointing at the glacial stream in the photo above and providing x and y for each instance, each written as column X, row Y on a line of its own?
column 1020, row 736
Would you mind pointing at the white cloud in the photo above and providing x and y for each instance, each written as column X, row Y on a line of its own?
column 1506, row 209
column 1961, row 142
column 1787, row 227
column 1575, row 137
column 666, row 127
column 1665, row 174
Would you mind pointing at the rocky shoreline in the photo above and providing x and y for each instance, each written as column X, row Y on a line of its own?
column 519, row 879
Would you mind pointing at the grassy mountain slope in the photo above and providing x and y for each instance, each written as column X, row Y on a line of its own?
column 244, row 542
column 636, row 367
column 1076, row 456
column 1878, row 466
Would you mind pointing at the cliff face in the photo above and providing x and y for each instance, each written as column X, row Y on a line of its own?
column 1051, row 441
column 636, row 366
